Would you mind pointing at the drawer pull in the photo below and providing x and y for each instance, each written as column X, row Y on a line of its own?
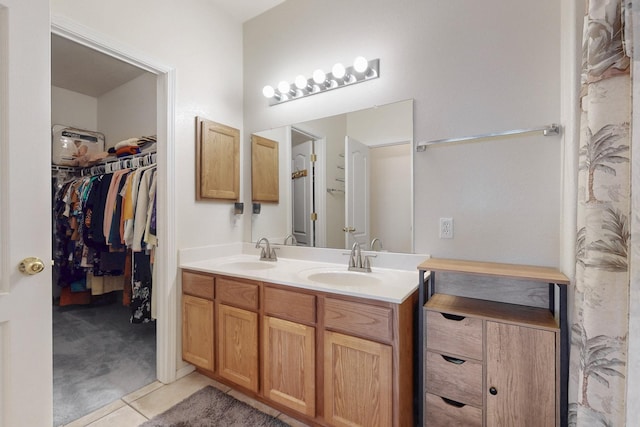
column 493, row 391
column 452, row 317
column 452, row 402
column 453, row 360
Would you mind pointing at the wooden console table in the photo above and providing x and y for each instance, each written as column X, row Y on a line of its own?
column 487, row 314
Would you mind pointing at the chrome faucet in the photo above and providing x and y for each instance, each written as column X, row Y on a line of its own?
column 294, row 241
column 373, row 242
column 266, row 253
column 356, row 262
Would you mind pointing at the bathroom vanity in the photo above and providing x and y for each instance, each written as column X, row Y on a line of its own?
column 325, row 345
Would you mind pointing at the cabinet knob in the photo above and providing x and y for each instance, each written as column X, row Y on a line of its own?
column 493, row 391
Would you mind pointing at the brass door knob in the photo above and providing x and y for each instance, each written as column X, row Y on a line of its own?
column 31, row 265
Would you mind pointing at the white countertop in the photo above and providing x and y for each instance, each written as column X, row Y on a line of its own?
column 384, row 284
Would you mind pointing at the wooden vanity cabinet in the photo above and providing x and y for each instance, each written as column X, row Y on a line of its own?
column 368, row 362
column 197, row 320
column 289, row 350
column 327, row 359
column 237, row 331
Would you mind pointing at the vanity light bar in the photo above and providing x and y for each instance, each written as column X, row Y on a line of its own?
column 319, row 82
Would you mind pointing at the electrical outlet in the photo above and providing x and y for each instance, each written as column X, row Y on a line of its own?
column 446, row 228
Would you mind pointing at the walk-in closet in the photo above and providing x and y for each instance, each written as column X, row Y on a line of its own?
column 104, row 221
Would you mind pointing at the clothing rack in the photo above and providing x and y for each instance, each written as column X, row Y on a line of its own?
column 550, row 130
column 133, row 161
column 126, row 162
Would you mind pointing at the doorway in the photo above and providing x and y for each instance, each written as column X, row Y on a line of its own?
column 303, row 188
column 164, row 344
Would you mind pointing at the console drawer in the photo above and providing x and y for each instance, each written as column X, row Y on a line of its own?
column 458, row 335
column 440, row 412
column 456, row 379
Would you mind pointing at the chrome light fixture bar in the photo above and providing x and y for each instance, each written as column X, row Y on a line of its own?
column 319, row 82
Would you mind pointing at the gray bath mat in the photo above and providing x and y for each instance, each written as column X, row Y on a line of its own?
column 210, row 407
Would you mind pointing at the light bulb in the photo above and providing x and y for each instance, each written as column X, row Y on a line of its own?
column 301, row 82
column 360, row 64
column 319, row 76
column 284, row 87
column 268, row 91
column 338, row 71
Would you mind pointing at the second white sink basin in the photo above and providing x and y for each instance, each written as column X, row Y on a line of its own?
column 341, row 277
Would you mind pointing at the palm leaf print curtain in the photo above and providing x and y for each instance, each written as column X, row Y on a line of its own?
column 600, row 323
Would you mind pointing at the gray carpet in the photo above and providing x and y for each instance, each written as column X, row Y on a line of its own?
column 98, row 357
column 210, row 407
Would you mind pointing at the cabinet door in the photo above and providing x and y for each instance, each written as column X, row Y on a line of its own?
column 197, row 331
column 217, row 161
column 357, row 381
column 289, row 364
column 521, row 376
column 238, row 346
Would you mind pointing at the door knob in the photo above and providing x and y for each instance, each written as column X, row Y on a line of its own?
column 31, row 265
column 348, row 229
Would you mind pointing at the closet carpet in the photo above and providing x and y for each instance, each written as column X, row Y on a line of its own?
column 98, row 356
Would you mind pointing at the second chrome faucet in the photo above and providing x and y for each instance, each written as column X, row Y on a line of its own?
column 356, row 261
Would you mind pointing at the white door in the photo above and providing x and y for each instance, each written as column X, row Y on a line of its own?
column 357, row 170
column 26, row 379
column 302, row 193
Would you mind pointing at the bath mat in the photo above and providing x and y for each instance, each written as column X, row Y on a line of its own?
column 210, row 407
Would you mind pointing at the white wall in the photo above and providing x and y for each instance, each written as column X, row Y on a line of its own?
column 129, row 110
column 471, row 67
column 204, row 45
column 73, row 109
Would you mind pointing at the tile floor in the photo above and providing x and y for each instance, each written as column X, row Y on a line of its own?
column 144, row 404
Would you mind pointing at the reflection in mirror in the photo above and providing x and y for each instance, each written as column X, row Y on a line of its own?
column 343, row 179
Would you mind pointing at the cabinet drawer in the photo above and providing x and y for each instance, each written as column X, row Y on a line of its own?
column 455, row 379
column 199, row 285
column 361, row 319
column 452, row 414
column 461, row 336
column 290, row 305
column 237, row 293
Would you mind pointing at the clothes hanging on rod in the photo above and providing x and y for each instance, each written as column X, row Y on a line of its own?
column 105, row 231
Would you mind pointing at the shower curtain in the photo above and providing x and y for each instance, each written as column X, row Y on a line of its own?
column 600, row 324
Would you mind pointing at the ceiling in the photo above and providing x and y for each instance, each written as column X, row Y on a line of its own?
column 80, row 69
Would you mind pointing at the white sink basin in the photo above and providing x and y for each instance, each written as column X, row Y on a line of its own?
column 250, row 265
column 341, row 277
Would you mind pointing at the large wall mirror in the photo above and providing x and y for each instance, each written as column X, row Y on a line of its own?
column 343, row 179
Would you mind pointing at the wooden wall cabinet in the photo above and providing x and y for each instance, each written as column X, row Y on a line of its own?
column 217, row 161
column 265, row 182
column 488, row 363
